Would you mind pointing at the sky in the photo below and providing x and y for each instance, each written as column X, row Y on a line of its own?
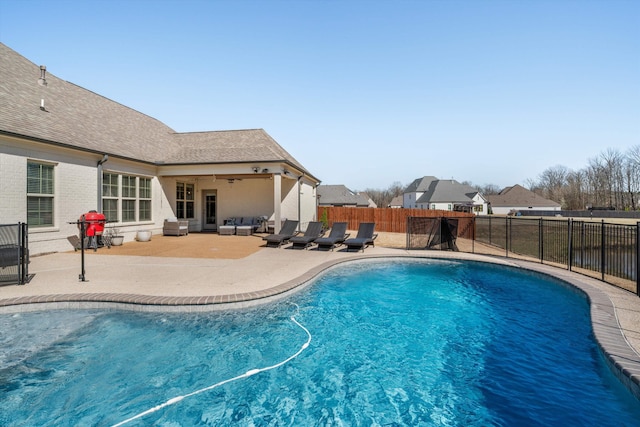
column 363, row 93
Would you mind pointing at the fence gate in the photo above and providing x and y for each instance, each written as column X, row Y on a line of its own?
column 432, row 233
column 14, row 254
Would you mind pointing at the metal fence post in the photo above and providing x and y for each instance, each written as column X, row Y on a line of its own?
column 506, row 236
column 570, row 243
column 638, row 258
column 24, row 252
column 541, row 240
column 490, row 242
column 473, row 235
column 602, row 254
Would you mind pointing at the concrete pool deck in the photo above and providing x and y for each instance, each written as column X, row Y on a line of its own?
column 205, row 284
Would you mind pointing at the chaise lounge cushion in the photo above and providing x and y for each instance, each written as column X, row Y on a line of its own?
column 336, row 237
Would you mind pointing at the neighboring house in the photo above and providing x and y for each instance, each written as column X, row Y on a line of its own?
column 518, row 198
column 339, row 195
column 65, row 150
column 396, row 202
column 430, row 192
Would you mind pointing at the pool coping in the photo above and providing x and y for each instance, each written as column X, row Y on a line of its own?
column 621, row 357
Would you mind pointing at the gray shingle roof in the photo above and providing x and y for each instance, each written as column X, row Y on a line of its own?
column 420, row 184
column 78, row 118
column 396, row 201
column 74, row 116
column 339, row 195
column 251, row 145
column 517, row 195
column 441, row 190
column 447, row 190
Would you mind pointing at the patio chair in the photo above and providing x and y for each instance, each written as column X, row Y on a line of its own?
column 313, row 231
column 336, row 237
column 364, row 238
column 175, row 227
column 287, row 232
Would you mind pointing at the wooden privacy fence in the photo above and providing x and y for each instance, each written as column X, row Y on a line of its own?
column 392, row 220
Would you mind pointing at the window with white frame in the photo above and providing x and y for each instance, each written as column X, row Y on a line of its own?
column 144, row 199
column 185, row 207
column 40, row 193
column 126, row 198
column 129, row 193
column 110, row 196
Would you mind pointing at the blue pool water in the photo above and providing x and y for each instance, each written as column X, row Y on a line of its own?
column 397, row 343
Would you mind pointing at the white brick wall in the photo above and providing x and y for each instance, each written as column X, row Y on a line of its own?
column 13, row 182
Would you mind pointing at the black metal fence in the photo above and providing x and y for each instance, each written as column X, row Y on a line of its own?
column 14, row 254
column 604, row 250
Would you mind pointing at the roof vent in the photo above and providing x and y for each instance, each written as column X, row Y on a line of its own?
column 42, row 81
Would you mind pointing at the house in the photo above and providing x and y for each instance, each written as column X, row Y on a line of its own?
column 396, row 202
column 65, row 150
column 518, row 198
column 339, row 195
column 430, row 192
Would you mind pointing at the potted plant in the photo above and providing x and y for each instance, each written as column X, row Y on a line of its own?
column 114, row 237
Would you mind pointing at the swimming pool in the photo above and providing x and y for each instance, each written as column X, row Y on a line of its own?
column 392, row 343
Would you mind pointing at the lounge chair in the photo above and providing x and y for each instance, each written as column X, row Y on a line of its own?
column 313, row 231
column 336, row 237
column 287, row 232
column 364, row 238
column 175, row 227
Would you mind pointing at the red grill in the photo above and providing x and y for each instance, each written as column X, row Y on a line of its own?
column 95, row 223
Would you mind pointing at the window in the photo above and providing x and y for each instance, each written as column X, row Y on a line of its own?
column 126, row 198
column 478, row 208
column 144, row 197
column 110, row 196
column 449, row 206
column 185, row 207
column 433, row 206
column 39, row 194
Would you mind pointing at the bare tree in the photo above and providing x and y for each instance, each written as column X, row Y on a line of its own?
column 485, row 190
column 632, row 175
column 552, row 181
column 574, row 192
column 612, row 162
column 596, row 183
column 383, row 198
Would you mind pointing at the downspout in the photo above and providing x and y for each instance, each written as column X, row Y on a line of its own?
column 104, row 159
column 299, row 202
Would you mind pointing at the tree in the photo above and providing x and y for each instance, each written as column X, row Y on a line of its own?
column 383, row 198
column 632, row 175
column 552, row 182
